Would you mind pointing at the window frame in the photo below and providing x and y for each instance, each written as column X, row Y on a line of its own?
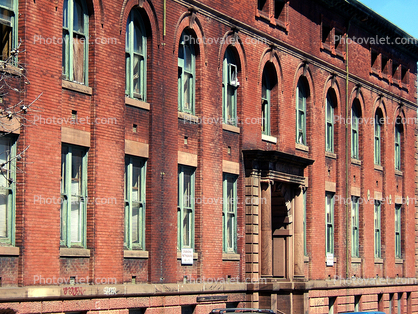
column 329, row 123
column 301, row 98
column 229, row 62
column 68, row 41
column 355, row 137
column 10, row 212
column 377, row 229
column 182, row 169
column 66, row 196
column 182, row 73
column 398, row 231
column 398, row 146
column 355, row 227
column 329, row 223
column 130, row 163
column 13, row 24
column 233, row 213
column 135, row 20
column 377, row 140
column 265, row 105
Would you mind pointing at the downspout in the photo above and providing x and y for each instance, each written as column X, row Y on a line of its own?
column 347, row 157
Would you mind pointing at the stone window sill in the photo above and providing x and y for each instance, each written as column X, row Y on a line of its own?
column 398, row 173
column 330, row 155
column 76, row 87
column 230, row 257
column 268, row 138
column 74, row 252
column 135, row 254
column 230, row 128
column 378, row 167
column 188, row 118
column 179, row 255
column 398, row 261
column 9, row 251
column 356, row 260
column 137, row 103
column 302, row 147
column 355, row 161
column 378, row 260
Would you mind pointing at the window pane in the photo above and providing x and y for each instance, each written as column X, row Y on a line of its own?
column 136, row 183
column 135, row 224
column 186, row 227
column 3, row 215
column 230, row 231
column 230, row 105
column 187, row 193
column 230, row 195
column 78, row 20
column 4, row 157
column 78, row 58
column 76, row 172
column 187, row 87
column 7, row 3
column 64, row 15
column 76, row 219
column 137, row 39
column 188, row 58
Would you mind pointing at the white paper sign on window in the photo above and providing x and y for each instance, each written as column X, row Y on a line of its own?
column 187, row 256
column 330, row 259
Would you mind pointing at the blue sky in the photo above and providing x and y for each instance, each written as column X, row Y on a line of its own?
column 402, row 13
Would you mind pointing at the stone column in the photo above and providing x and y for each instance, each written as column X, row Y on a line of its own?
column 266, row 231
column 298, row 234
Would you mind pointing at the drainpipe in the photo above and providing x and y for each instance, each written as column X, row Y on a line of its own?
column 347, row 157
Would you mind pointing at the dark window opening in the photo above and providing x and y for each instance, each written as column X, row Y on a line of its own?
column 337, row 40
column 326, row 34
column 374, row 63
column 263, row 5
column 6, row 41
column 279, row 10
column 404, row 75
column 395, row 72
column 385, row 65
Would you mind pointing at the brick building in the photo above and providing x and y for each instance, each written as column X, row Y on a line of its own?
column 191, row 155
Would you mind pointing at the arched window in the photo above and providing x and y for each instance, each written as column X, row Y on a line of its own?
column 135, row 57
column 377, row 137
column 229, row 88
column 265, row 104
column 186, row 74
column 302, row 93
column 329, row 128
column 355, row 121
column 398, row 143
column 75, row 44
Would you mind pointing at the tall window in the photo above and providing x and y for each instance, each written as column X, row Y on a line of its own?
column 330, row 123
column 398, row 226
column 229, row 219
column 75, row 44
column 74, row 196
column 377, row 230
column 305, row 247
column 229, row 88
column 377, row 141
column 186, row 74
column 355, row 117
column 301, row 96
column 329, row 222
column 135, row 170
column 135, row 57
column 8, row 190
column 355, row 227
column 398, row 133
column 265, row 104
column 8, row 27
column 185, row 209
